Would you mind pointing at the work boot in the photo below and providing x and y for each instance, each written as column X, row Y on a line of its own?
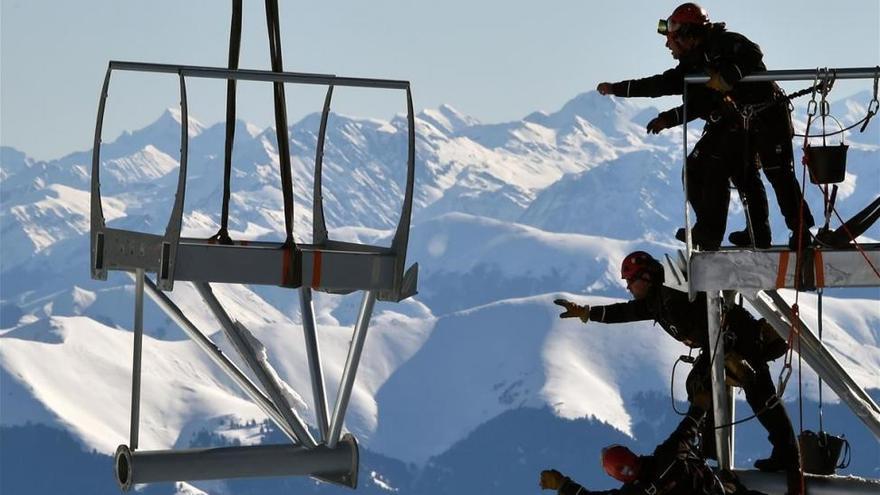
column 805, row 239
column 741, row 238
column 776, row 462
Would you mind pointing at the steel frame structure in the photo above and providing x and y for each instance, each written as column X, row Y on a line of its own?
column 325, row 265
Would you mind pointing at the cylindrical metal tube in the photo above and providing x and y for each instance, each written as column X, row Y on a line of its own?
column 338, row 465
column 351, row 365
column 720, row 395
column 797, row 75
column 233, row 334
column 314, row 356
column 816, row 485
column 220, row 359
column 137, row 358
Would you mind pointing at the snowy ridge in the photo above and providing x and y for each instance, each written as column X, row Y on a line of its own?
column 507, row 217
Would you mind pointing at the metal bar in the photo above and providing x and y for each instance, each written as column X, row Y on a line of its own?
column 337, row 464
column 165, row 278
column 239, row 343
column 351, row 364
column 319, row 226
column 138, row 353
column 814, row 352
column 216, row 355
column 259, row 75
column 96, row 215
column 796, row 75
column 689, row 246
column 767, row 482
column 721, row 410
column 314, row 355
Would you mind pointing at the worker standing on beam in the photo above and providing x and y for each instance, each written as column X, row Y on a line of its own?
column 748, row 125
column 748, row 345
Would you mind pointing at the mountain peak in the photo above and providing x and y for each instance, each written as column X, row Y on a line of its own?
column 447, row 119
column 175, row 116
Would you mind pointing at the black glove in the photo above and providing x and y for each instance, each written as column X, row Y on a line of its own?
column 657, row 124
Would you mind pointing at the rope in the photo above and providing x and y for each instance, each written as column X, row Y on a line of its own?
column 222, row 236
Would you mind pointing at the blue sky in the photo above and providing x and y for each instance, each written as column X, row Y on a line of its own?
column 495, row 60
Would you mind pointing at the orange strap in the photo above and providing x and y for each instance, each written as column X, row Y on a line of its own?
column 783, row 268
column 316, row 270
column 820, row 269
column 286, row 261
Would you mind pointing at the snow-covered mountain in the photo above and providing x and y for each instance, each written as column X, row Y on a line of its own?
column 507, row 217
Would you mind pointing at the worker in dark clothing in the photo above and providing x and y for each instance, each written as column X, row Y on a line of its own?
column 748, row 345
column 675, row 467
column 748, row 125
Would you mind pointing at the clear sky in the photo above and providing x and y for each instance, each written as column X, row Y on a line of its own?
column 496, row 60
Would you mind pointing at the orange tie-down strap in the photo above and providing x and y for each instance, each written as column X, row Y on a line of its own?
column 783, row 268
column 818, row 269
column 819, row 265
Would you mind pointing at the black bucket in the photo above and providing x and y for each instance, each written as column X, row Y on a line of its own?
column 827, row 164
column 820, row 452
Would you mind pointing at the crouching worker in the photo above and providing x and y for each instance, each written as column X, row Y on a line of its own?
column 674, row 468
column 749, row 345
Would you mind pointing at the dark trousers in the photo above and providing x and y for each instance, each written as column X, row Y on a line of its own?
column 724, row 154
column 727, row 152
column 761, row 397
column 771, row 132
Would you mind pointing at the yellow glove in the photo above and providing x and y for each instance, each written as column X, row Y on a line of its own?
column 551, row 479
column 718, row 83
column 573, row 310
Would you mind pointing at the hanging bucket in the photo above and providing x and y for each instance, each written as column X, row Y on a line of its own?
column 820, row 452
column 827, row 164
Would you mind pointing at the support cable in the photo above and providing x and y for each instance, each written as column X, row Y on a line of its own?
column 222, row 236
column 281, row 118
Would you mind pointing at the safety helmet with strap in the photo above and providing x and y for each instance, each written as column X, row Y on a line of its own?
column 620, row 463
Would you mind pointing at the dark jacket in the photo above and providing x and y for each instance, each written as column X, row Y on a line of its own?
column 682, row 319
column 687, row 322
column 730, row 54
column 673, row 468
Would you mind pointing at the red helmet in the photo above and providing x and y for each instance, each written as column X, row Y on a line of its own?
column 686, row 15
column 620, row 463
column 639, row 263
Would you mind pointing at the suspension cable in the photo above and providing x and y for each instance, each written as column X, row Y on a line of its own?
column 281, row 118
column 222, row 236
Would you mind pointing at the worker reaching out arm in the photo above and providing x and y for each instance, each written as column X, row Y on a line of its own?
column 748, row 346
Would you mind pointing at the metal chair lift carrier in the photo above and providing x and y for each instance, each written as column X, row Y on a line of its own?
column 757, row 274
column 326, row 265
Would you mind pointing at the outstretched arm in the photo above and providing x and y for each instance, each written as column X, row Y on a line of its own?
column 667, row 83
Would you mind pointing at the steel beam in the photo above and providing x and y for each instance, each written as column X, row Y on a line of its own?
column 346, row 383
column 314, row 356
column 778, row 313
column 720, row 394
column 137, row 358
column 239, row 342
column 216, row 355
column 339, row 464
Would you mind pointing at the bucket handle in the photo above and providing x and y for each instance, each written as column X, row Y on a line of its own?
column 808, row 135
